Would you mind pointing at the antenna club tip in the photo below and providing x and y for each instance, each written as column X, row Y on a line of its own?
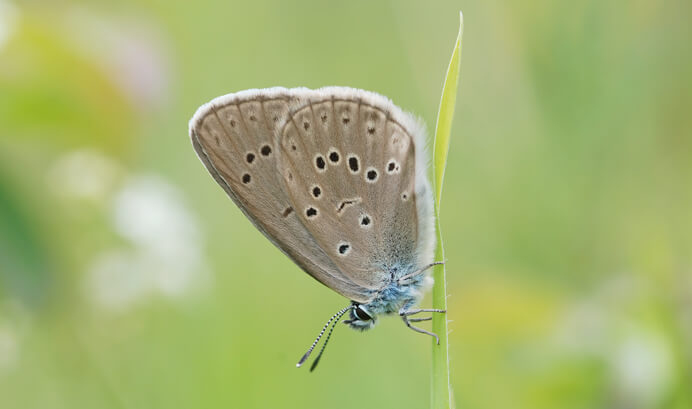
column 303, row 359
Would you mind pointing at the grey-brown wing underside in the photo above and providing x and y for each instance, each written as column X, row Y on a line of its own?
column 234, row 136
column 357, row 184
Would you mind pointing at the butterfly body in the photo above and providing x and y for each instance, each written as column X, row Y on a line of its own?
column 336, row 178
column 395, row 296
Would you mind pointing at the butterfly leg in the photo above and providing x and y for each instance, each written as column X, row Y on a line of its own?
column 418, row 272
column 416, row 311
column 405, row 313
column 421, row 330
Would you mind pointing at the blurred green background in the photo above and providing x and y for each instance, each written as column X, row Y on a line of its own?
column 129, row 280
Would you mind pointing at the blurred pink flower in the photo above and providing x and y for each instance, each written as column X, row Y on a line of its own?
column 131, row 50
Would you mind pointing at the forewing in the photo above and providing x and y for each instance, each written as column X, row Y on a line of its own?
column 235, row 136
column 357, row 183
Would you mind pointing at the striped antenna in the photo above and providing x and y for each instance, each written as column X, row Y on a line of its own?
column 334, row 317
column 329, row 334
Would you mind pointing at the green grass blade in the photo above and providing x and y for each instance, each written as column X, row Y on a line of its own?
column 445, row 115
column 441, row 387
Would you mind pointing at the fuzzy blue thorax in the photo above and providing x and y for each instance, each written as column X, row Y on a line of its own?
column 395, row 296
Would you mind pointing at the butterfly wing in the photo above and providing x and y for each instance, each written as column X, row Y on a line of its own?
column 234, row 136
column 358, row 183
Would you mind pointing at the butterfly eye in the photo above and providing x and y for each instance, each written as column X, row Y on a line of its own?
column 361, row 314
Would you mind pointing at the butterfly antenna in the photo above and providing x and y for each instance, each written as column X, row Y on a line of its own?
column 329, row 334
column 334, row 317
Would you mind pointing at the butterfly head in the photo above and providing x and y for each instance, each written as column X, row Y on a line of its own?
column 360, row 318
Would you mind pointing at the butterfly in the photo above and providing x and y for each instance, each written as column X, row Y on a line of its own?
column 336, row 178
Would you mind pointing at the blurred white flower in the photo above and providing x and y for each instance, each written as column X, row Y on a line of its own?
column 115, row 280
column 166, row 256
column 84, row 174
column 150, row 212
column 590, row 324
column 639, row 359
column 9, row 15
column 642, row 369
column 9, row 348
